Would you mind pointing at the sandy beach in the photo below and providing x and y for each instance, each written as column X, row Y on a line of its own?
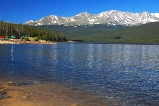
column 19, row 41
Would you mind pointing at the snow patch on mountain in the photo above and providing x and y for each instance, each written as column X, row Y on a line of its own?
column 30, row 21
column 156, row 14
column 112, row 17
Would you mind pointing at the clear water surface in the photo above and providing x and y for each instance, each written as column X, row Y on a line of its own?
column 128, row 75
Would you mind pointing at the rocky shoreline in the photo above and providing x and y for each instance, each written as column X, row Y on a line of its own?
column 3, row 93
column 33, row 95
column 19, row 41
column 44, row 94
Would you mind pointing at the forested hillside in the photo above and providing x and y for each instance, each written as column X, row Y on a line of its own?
column 142, row 34
column 8, row 29
column 80, row 32
column 147, row 33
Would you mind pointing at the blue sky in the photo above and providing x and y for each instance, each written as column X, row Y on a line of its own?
column 20, row 11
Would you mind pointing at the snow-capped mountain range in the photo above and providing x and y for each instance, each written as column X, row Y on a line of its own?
column 112, row 17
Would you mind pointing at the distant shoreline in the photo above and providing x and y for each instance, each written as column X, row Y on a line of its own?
column 19, row 41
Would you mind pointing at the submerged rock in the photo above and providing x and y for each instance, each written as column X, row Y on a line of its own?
column 1, row 88
column 3, row 93
column 25, row 83
column 11, row 84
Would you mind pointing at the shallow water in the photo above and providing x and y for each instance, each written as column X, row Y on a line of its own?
column 117, row 73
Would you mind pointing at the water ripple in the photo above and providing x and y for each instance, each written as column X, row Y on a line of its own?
column 124, row 74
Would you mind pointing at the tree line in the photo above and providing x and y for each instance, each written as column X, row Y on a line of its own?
column 18, row 30
column 84, row 31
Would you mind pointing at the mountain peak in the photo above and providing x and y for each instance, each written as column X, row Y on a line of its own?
column 83, row 14
column 113, row 17
column 30, row 21
column 113, row 11
column 52, row 16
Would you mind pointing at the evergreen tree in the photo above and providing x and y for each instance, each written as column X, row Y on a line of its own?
column 18, row 30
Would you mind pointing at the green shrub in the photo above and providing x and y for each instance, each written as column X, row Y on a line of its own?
column 36, row 39
column 26, row 39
